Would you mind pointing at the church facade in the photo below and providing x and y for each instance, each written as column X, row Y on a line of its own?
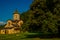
column 12, row 26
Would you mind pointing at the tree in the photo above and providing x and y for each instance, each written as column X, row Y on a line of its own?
column 43, row 16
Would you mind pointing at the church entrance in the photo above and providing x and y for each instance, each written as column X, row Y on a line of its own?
column 6, row 31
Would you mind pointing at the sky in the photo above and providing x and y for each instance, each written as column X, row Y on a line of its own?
column 7, row 8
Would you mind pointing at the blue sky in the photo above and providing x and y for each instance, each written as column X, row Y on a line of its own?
column 7, row 7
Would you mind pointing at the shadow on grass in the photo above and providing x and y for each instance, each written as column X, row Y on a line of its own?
column 38, row 35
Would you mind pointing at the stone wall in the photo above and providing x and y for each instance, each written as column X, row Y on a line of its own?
column 2, row 31
column 9, row 31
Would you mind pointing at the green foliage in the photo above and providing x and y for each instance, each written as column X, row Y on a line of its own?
column 2, row 26
column 43, row 16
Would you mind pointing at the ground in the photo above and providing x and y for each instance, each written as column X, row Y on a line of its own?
column 22, row 36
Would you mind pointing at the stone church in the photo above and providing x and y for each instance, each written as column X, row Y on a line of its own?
column 12, row 26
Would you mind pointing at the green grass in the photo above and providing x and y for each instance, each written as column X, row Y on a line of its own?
column 22, row 36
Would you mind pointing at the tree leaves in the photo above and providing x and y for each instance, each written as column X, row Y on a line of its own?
column 43, row 16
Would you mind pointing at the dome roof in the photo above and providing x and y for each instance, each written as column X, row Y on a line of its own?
column 16, row 12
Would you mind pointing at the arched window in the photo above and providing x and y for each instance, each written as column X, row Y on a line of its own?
column 9, row 23
column 16, row 16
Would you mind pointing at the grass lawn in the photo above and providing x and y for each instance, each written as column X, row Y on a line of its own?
column 22, row 36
